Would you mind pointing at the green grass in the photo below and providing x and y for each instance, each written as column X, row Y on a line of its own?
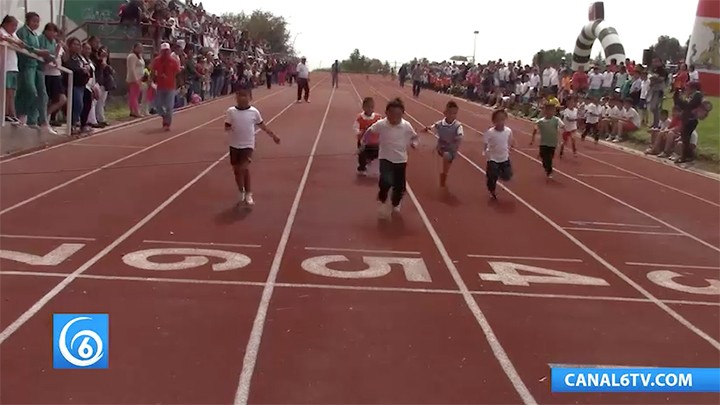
column 708, row 133
column 116, row 109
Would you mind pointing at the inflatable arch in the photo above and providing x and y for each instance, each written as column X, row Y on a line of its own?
column 609, row 39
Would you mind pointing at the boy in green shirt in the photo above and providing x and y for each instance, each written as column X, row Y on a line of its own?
column 549, row 127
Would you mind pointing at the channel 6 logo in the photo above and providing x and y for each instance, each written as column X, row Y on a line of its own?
column 80, row 341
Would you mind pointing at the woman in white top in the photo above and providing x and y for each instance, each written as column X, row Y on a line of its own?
column 7, row 34
column 135, row 72
column 498, row 140
column 54, row 85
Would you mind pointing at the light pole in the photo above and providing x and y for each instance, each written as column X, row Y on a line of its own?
column 475, row 44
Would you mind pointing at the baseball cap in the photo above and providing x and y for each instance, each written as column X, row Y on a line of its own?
column 165, row 46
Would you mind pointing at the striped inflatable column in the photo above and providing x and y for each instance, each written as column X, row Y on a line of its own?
column 704, row 49
column 609, row 39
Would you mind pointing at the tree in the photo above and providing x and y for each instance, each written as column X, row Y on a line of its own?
column 359, row 63
column 265, row 25
column 599, row 61
column 551, row 57
column 668, row 49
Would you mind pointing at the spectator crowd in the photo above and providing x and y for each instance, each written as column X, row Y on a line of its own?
column 214, row 58
column 613, row 101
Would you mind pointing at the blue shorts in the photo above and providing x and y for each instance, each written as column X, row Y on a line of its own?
column 447, row 154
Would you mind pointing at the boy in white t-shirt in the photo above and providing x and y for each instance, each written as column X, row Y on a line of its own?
column 240, row 123
column 569, row 116
column 628, row 122
column 498, row 140
column 612, row 114
column 592, row 117
column 394, row 135
column 644, row 91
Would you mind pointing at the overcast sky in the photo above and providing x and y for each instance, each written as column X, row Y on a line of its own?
column 511, row 30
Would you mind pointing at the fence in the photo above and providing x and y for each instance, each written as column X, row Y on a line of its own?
column 68, row 105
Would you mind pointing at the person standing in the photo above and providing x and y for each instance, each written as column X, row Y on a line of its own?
column 135, row 68
column 164, row 70
column 688, row 117
column 335, row 70
column 417, row 76
column 303, row 78
column 31, row 83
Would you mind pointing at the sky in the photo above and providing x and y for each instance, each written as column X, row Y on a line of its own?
column 398, row 31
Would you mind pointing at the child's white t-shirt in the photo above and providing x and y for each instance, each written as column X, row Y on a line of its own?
column 664, row 125
column 570, row 116
column 592, row 113
column 615, row 113
column 596, row 80
column 632, row 115
column 644, row 89
column 497, row 144
column 394, row 139
column 242, row 126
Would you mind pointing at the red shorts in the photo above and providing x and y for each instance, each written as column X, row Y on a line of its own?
column 629, row 127
column 566, row 135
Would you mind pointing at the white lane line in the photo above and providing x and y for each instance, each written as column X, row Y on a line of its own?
column 351, row 287
column 597, row 190
column 497, row 349
column 37, row 306
column 251, row 351
column 609, row 176
column 390, row 252
column 174, row 242
column 547, row 259
column 672, row 266
column 613, row 224
column 624, row 231
column 669, row 187
column 113, row 163
column 45, row 237
column 99, row 145
column 671, row 312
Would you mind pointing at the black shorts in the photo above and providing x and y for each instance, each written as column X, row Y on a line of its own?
column 240, row 156
column 55, row 87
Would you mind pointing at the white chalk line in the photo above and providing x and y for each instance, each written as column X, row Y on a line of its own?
column 545, row 259
column 42, row 237
column 624, row 231
column 613, row 224
column 253, row 345
column 609, row 176
column 175, row 242
column 100, row 145
column 38, row 305
column 498, row 351
column 409, row 290
column 113, row 163
column 672, row 266
column 714, row 342
column 390, row 252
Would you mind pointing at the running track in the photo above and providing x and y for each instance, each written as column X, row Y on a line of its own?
column 307, row 298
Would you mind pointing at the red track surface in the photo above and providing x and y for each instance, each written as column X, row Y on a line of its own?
column 279, row 331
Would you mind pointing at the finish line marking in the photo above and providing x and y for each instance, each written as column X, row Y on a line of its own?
column 171, row 242
column 352, row 288
column 392, row 252
column 665, row 265
column 46, row 237
column 625, row 231
column 547, row 259
column 613, row 224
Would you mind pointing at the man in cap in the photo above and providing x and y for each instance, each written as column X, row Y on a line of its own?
column 164, row 69
column 303, row 77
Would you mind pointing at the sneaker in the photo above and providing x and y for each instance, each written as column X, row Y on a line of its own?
column 396, row 208
column 384, row 210
column 493, row 195
column 299, row 101
column 49, row 130
column 362, row 173
column 242, row 197
column 616, row 140
column 249, row 199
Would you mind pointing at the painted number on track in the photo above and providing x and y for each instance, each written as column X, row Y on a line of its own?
column 52, row 258
column 667, row 279
column 509, row 274
column 191, row 258
column 413, row 267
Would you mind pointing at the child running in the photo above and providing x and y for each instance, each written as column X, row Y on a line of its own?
column 449, row 132
column 498, row 141
column 549, row 126
column 240, row 123
column 570, row 117
column 362, row 122
column 394, row 134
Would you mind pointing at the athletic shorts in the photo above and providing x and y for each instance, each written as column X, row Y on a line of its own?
column 11, row 80
column 567, row 135
column 629, row 127
column 447, row 154
column 240, row 156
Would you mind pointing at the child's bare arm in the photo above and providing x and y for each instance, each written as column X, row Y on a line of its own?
column 269, row 132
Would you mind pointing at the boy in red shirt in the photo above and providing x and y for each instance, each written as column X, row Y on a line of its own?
column 164, row 70
column 362, row 122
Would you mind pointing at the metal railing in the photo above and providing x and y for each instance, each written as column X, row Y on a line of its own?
column 68, row 104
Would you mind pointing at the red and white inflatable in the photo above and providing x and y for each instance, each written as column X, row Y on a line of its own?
column 704, row 49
